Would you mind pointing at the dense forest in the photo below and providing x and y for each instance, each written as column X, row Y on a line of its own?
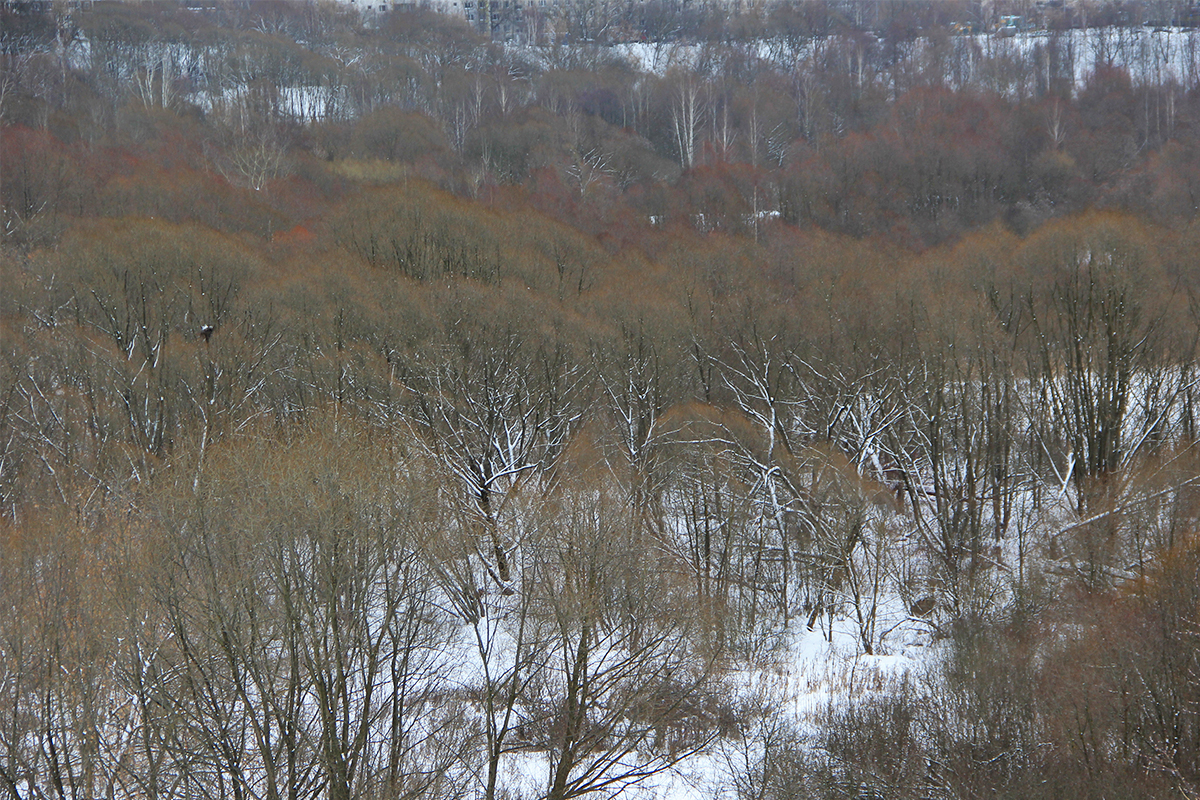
column 391, row 411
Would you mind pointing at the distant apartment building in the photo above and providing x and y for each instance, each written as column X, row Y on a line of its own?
column 41, row 6
column 372, row 6
column 492, row 16
column 489, row 16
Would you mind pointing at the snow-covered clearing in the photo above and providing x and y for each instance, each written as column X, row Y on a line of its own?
column 810, row 672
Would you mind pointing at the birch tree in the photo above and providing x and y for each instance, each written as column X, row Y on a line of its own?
column 687, row 115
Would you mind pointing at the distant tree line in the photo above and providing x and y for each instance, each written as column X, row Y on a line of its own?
column 380, row 407
column 917, row 134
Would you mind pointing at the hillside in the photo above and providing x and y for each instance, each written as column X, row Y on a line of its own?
column 386, row 412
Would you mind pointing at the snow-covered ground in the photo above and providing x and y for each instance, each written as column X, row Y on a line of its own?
column 812, row 670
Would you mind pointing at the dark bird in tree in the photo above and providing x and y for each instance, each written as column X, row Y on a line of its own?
column 206, row 331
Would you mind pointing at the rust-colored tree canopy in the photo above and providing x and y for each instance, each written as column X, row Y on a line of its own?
column 399, row 406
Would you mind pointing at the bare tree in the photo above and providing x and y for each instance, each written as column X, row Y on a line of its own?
column 493, row 406
column 311, row 649
column 617, row 701
column 687, row 115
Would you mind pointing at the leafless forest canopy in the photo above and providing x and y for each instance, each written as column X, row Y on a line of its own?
column 383, row 405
